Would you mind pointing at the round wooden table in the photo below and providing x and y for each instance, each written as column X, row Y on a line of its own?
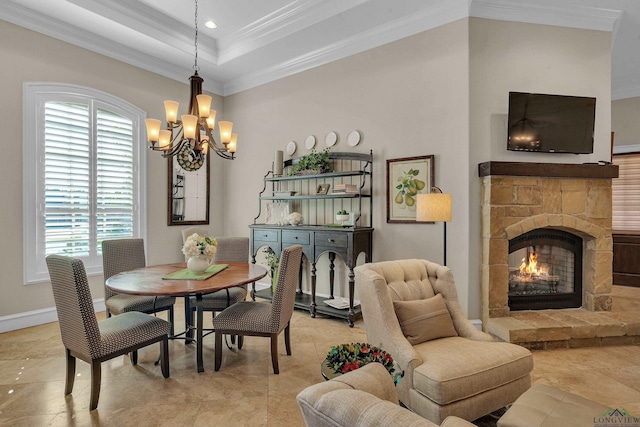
column 149, row 281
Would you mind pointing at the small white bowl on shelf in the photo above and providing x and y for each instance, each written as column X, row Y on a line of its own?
column 342, row 218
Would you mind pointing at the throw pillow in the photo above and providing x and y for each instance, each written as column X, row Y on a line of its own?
column 424, row 319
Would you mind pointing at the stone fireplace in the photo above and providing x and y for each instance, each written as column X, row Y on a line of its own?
column 554, row 202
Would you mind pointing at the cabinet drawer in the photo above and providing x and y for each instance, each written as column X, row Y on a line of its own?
column 296, row 237
column 264, row 235
column 336, row 240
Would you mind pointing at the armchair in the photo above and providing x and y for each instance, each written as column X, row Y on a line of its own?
column 457, row 370
column 365, row 397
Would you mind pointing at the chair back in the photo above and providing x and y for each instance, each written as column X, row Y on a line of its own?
column 189, row 231
column 285, row 293
column 232, row 249
column 120, row 255
column 76, row 316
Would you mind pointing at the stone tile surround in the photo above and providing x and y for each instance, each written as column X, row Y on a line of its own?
column 520, row 197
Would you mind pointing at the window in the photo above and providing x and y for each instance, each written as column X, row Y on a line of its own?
column 84, row 168
column 626, row 193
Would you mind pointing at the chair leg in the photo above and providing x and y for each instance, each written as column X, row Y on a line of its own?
column 171, row 318
column 218, row 350
column 233, row 339
column 71, row 373
column 164, row 357
column 134, row 357
column 287, row 338
column 274, row 353
column 240, row 342
column 96, row 374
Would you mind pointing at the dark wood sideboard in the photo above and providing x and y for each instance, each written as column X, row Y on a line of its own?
column 626, row 258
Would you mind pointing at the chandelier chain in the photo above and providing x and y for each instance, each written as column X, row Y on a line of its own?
column 195, row 65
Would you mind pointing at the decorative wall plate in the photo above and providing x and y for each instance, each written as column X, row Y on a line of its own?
column 291, row 148
column 187, row 160
column 310, row 142
column 353, row 138
column 330, row 139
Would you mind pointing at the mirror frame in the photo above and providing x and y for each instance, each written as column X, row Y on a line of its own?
column 170, row 220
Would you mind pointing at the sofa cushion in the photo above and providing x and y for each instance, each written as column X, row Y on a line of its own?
column 424, row 319
column 449, row 374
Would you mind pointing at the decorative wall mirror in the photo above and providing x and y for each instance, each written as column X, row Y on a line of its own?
column 188, row 189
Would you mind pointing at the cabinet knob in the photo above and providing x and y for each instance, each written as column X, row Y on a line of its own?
column 296, row 237
column 331, row 240
column 266, row 235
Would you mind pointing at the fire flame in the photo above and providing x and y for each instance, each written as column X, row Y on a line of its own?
column 530, row 267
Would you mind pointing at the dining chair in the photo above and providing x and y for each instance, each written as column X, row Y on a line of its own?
column 94, row 341
column 120, row 255
column 250, row 318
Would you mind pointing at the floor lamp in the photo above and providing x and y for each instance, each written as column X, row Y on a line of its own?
column 435, row 207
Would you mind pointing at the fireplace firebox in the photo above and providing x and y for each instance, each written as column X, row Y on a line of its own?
column 545, row 270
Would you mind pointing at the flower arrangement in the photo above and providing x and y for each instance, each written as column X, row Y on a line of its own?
column 197, row 245
column 348, row 357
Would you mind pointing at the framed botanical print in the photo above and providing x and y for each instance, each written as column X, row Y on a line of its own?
column 406, row 178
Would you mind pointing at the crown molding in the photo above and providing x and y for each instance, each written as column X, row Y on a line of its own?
column 547, row 13
column 440, row 13
column 27, row 18
column 280, row 24
column 153, row 24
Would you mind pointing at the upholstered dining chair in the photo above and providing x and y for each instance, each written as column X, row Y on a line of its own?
column 250, row 318
column 231, row 249
column 120, row 255
column 410, row 307
column 94, row 341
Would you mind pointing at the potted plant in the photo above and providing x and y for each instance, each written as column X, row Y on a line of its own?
column 314, row 162
column 272, row 262
column 342, row 216
column 348, row 357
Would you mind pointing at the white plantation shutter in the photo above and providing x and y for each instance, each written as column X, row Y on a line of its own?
column 626, row 193
column 84, row 171
column 114, row 193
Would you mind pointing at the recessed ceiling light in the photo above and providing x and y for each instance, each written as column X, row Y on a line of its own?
column 210, row 24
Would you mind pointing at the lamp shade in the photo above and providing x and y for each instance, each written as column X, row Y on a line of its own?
column 164, row 143
column 171, row 111
column 204, row 105
column 153, row 129
column 233, row 142
column 189, row 124
column 225, row 131
column 433, row 207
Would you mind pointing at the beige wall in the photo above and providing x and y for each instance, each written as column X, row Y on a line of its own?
column 442, row 92
column 408, row 98
column 624, row 121
column 28, row 57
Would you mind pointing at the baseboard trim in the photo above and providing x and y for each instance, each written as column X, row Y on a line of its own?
column 37, row 317
column 477, row 323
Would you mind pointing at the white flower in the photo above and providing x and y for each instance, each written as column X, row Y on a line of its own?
column 197, row 245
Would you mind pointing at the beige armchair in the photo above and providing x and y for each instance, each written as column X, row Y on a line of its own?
column 365, row 397
column 449, row 370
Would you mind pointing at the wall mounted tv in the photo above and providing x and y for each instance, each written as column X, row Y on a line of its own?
column 551, row 123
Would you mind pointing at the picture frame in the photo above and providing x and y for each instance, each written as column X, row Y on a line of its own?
column 401, row 200
column 323, row 189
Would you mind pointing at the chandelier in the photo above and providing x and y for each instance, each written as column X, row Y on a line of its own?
column 191, row 136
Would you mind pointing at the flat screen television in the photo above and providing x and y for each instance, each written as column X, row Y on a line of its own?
column 551, row 123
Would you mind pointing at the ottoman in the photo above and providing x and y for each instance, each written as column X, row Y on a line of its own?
column 547, row 406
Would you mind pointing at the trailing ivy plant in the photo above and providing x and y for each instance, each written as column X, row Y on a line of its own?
column 315, row 162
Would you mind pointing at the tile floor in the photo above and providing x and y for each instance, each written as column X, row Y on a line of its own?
column 245, row 392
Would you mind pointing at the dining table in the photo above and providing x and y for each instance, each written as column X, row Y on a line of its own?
column 169, row 280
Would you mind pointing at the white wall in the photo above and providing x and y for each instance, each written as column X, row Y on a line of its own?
column 408, row 98
column 442, row 92
column 30, row 56
column 624, row 121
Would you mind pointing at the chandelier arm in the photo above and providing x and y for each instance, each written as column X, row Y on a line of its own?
column 175, row 148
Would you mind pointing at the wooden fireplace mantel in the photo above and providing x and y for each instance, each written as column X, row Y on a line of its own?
column 555, row 170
